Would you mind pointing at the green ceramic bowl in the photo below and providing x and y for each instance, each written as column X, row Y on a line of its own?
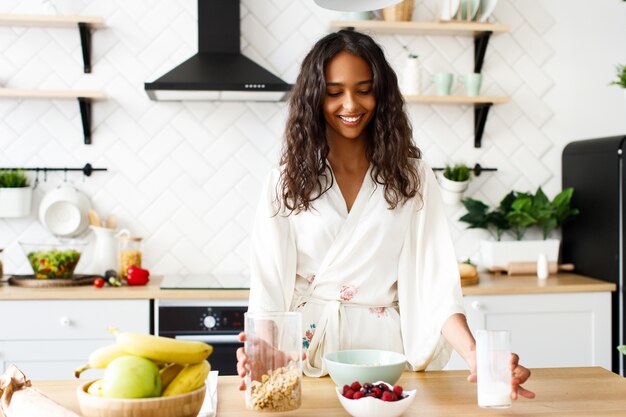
column 364, row 365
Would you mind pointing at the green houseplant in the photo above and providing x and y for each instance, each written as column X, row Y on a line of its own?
column 15, row 194
column 621, row 76
column 454, row 182
column 516, row 214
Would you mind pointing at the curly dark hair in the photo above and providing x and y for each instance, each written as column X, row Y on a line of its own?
column 389, row 148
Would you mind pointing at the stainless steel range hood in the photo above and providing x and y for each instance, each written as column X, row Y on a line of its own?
column 218, row 72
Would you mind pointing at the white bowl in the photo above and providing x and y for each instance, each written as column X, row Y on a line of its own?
column 64, row 211
column 375, row 407
column 363, row 365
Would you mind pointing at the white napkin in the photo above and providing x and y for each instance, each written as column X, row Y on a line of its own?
column 209, row 406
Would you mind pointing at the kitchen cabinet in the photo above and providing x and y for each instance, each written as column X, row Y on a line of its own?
column 85, row 26
column 481, row 33
column 48, row 339
column 547, row 330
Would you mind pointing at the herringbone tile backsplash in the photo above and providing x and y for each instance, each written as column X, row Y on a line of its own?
column 186, row 176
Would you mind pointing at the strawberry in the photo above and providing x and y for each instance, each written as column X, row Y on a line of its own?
column 377, row 392
column 357, row 395
column 356, row 386
column 387, row 396
column 349, row 394
column 397, row 389
column 345, row 389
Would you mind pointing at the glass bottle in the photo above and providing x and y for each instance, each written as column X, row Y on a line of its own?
column 130, row 253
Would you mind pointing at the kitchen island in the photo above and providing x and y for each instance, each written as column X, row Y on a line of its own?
column 586, row 391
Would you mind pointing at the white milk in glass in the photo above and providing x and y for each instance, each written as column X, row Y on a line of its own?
column 493, row 368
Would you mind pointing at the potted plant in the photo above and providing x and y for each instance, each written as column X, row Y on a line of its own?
column 454, row 182
column 621, row 77
column 516, row 214
column 15, row 194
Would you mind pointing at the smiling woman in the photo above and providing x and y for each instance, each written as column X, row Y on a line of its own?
column 351, row 230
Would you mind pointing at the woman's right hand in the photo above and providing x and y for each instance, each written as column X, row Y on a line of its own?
column 266, row 357
column 242, row 359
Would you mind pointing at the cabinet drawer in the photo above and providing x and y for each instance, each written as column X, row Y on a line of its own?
column 75, row 319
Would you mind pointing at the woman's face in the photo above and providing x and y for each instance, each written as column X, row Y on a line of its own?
column 349, row 102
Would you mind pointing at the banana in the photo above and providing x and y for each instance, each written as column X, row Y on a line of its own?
column 190, row 378
column 168, row 373
column 162, row 349
column 95, row 388
column 101, row 357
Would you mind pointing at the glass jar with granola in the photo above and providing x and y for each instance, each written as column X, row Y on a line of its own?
column 274, row 348
column 129, row 253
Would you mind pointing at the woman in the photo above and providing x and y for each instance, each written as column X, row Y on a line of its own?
column 351, row 229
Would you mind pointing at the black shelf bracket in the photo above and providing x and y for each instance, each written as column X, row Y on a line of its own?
column 85, row 115
column 85, row 43
column 477, row 169
column 481, row 110
column 481, row 40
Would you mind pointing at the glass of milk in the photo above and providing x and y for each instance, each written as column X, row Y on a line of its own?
column 493, row 366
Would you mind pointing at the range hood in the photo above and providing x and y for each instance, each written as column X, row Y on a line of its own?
column 218, row 72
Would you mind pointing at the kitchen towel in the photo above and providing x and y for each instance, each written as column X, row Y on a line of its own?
column 209, row 406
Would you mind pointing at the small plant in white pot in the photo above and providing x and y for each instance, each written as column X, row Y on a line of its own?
column 454, row 182
column 515, row 215
column 15, row 194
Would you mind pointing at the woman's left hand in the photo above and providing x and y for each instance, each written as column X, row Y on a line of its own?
column 519, row 375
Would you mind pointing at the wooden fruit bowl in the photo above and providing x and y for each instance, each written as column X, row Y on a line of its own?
column 183, row 405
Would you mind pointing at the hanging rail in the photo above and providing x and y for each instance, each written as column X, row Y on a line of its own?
column 477, row 169
column 86, row 170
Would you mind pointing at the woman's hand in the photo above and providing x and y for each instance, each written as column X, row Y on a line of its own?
column 519, row 375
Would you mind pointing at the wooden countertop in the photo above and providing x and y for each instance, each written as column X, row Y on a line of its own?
column 489, row 284
column 589, row 391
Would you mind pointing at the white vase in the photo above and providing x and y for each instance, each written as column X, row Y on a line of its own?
column 411, row 77
column 15, row 202
column 498, row 254
column 452, row 191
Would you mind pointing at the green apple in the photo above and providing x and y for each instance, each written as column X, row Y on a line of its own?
column 131, row 377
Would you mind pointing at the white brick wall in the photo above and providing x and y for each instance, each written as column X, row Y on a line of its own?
column 186, row 175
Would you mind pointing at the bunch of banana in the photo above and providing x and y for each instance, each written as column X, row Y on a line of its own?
column 183, row 365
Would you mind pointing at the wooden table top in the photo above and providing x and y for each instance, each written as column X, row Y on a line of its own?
column 586, row 391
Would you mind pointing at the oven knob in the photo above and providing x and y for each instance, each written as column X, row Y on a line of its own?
column 209, row 322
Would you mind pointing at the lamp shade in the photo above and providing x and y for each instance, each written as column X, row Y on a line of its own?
column 355, row 5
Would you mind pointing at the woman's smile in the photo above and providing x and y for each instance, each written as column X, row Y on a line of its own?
column 349, row 103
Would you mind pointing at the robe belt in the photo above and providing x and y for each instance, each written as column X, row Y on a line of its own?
column 329, row 328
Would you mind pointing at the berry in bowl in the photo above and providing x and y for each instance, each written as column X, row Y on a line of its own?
column 346, row 366
column 374, row 399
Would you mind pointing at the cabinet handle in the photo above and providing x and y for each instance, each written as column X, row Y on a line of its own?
column 65, row 321
column 476, row 305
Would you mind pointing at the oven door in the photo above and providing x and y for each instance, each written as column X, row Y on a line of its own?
column 224, row 356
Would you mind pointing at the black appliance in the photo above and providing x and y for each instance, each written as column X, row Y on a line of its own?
column 594, row 241
column 214, row 322
column 219, row 71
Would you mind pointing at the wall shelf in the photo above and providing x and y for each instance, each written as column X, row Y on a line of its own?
column 85, row 25
column 419, row 28
column 85, row 98
column 481, row 33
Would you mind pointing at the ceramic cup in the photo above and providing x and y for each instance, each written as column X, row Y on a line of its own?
column 493, row 368
column 472, row 83
column 443, row 83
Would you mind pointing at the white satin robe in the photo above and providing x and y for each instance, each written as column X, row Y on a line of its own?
column 369, row 278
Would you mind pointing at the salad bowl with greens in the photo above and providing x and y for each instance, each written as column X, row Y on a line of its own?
column 53, row 260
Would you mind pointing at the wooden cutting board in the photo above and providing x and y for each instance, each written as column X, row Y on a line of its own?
column 32, row 282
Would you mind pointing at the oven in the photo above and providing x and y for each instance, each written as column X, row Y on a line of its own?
column 216, row 322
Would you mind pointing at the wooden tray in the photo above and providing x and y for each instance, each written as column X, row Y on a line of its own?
column 32, row 282
column 465, row 282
